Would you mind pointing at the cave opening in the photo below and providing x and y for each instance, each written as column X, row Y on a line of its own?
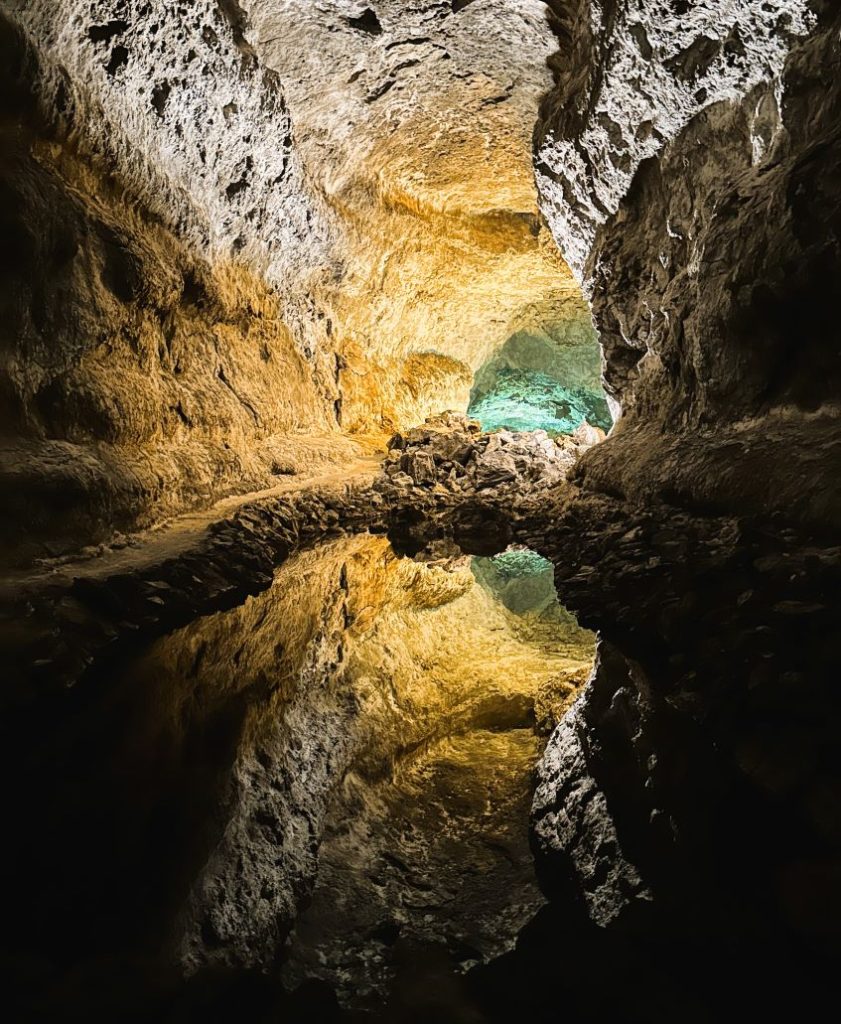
column 543, row 380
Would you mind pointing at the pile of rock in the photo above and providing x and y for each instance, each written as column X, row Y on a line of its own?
column 450, row 453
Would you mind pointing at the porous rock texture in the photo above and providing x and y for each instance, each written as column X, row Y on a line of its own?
column 686, row 166
column 631, row 75
column 687, row 163
column 415, row 120
column 237, row 232
column 151, row 362
column 686, row 809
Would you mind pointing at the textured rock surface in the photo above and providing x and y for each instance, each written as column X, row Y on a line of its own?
column 415, row 119
column 226, row 739
column 631, row 75
column 189, row 122
column 709, row 263
column 711, row 720
column 433, row 864
column 231, row 225
column 673, row 162
column 159, row 349
column 143, row 371
column 571, row 815
column 450, row 455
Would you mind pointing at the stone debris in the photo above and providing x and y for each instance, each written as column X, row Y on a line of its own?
column 450, row 451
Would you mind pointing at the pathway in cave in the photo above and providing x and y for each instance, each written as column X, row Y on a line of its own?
column 426, row 868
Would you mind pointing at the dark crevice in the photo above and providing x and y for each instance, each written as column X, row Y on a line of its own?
column 367, row 22
column 105, row 33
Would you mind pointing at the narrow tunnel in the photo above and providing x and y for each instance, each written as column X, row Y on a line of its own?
column 419, row 458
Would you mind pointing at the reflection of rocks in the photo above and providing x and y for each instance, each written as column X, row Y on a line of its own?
column 212, row 753
column 555, row 697
column 521, row 579
column 708, row 718
column 438, row 854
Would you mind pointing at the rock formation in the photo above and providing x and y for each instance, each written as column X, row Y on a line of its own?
column 693, row 225
column 258, row 261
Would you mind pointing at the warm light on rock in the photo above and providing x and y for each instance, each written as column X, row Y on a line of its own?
column 419, row 459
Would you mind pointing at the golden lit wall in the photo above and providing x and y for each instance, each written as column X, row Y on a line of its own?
column 417, row 131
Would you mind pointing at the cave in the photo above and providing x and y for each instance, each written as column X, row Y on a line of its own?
column 419, row 598
column 533, row 383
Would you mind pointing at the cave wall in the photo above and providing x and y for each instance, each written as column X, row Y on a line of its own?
column 415, row 121
column 705, row 229
column 174, row 98
column 709, row 245
column 354, row 661
column 242, row 223
column 707, row 241
column 151, row 363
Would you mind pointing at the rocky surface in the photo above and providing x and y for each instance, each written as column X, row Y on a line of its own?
column 141, row 374
column 63, row 620
column 683, row 799
column 571, row 818
column 688, row 137
column 212, row 754
column 630, row 76
column 178, row 326
column 220, row 252
column 433, row 863
column 415, row 119
column 176, row 103
column 672, row 163
column 526, row 400
column 449, row 459
column 710, row 719
column 64, row 616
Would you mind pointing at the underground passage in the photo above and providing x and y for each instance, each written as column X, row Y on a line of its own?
column 420, row 448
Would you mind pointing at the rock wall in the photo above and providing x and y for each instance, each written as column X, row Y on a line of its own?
column 368, row 659
column 415, row 120
column 629, row 78
column 147, row 366
column 175, row 101
column 243, row 222
column 685, row 163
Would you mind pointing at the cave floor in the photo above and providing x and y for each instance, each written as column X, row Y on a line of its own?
column 182, row 534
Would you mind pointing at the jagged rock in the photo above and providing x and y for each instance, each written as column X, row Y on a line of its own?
column 450, row 451
column 198, row 299
column 420, row 466
column 199, row 269
column 571, row 819
column 587, row 435
column 495, row 469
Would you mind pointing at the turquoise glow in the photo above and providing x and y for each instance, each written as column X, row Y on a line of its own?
column 531, row 400
column 522, row 580
column 520, row 562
